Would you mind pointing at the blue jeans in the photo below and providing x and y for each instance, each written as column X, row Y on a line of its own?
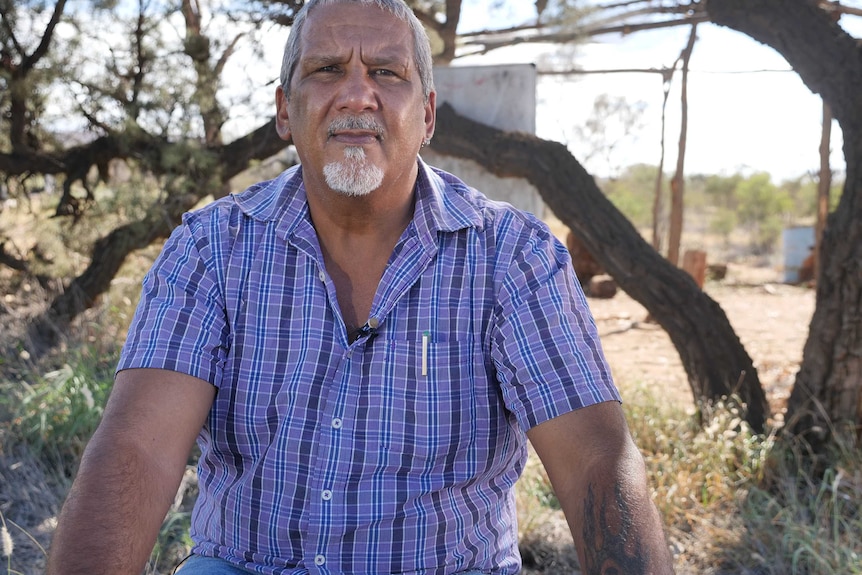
column 197, row 565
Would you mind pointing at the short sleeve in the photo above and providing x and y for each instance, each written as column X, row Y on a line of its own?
column 546, row 346
column 180, row 323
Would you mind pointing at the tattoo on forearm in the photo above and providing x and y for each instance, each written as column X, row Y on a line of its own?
column 609, row 547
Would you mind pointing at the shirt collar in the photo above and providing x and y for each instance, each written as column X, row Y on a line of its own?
column 281, row 200
column 443, row 202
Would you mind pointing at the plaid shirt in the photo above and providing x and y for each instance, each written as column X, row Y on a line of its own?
column 394, row 453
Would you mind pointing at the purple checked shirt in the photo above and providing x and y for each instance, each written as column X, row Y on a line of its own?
column 398, row 452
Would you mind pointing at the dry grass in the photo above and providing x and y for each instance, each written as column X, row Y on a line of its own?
column 733, row 502
column 29, row 501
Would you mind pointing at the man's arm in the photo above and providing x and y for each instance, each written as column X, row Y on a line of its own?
column 129, row 473
column 599, row 477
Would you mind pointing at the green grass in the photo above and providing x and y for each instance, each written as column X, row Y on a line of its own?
column 54, row 413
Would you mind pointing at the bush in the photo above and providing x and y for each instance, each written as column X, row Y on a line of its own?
column 732, row 501
column 55, row 413
column 764, row 209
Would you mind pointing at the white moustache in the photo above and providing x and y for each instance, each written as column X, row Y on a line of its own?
column 345, row 123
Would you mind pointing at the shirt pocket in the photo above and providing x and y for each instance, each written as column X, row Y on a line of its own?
column 425, row 404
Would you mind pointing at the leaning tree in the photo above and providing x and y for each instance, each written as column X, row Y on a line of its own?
column 157, row 106
column 827, row 395
column 826, row 401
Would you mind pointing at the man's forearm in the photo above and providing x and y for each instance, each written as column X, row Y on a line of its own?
column 615, row 524
column 600, row 480
column 621, row 534
column 112, row 515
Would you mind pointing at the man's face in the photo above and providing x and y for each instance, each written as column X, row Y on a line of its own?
column 356, row 104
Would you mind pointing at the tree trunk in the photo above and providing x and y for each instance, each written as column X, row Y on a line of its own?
column 677, row 183
column 658, row 204
column 827, row 396
column 714, row 359
column 824, row 185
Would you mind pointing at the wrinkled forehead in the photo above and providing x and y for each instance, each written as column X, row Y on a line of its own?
column 351, row 18
column 354, row 25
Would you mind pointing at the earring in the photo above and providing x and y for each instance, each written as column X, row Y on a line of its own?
column 426, row 142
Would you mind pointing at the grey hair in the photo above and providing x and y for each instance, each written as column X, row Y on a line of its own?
column 421, row 46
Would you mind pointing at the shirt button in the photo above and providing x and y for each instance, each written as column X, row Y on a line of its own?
column 337, row 423
column 326, row 495
column 322, row 276
column 319, row 560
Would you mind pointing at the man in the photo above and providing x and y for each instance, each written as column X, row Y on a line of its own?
column 362, row 347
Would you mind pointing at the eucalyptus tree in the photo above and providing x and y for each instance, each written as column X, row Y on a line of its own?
column 154, row 86
column 827, row 395
column 826, row 402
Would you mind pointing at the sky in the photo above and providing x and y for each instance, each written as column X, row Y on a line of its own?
column 747, row 111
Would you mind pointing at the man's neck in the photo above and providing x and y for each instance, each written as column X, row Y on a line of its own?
column 336, row 216
column 382, row 213
column 357, row 236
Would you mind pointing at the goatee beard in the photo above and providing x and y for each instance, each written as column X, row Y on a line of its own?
column 353, row 176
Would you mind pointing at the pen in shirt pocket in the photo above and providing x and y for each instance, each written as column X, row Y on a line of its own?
column 425, row 337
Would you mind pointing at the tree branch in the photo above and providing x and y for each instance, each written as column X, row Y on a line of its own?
column 11, row 261
column 4, row 20
column 813, row 43
column 28, row 62
column 712, row 355
column 660, row 71
column 583, row 33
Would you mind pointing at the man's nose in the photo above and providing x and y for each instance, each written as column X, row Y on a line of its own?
column 358, row 92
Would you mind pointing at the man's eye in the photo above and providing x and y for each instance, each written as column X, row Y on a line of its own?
column 327, row 69
column 383, row 72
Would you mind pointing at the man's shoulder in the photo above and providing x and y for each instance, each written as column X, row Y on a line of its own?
column 452, row 186
column 494, row 214
column 262, row 201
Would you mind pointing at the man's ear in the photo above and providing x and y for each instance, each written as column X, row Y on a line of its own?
column 430, row 115
column 282, row 120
